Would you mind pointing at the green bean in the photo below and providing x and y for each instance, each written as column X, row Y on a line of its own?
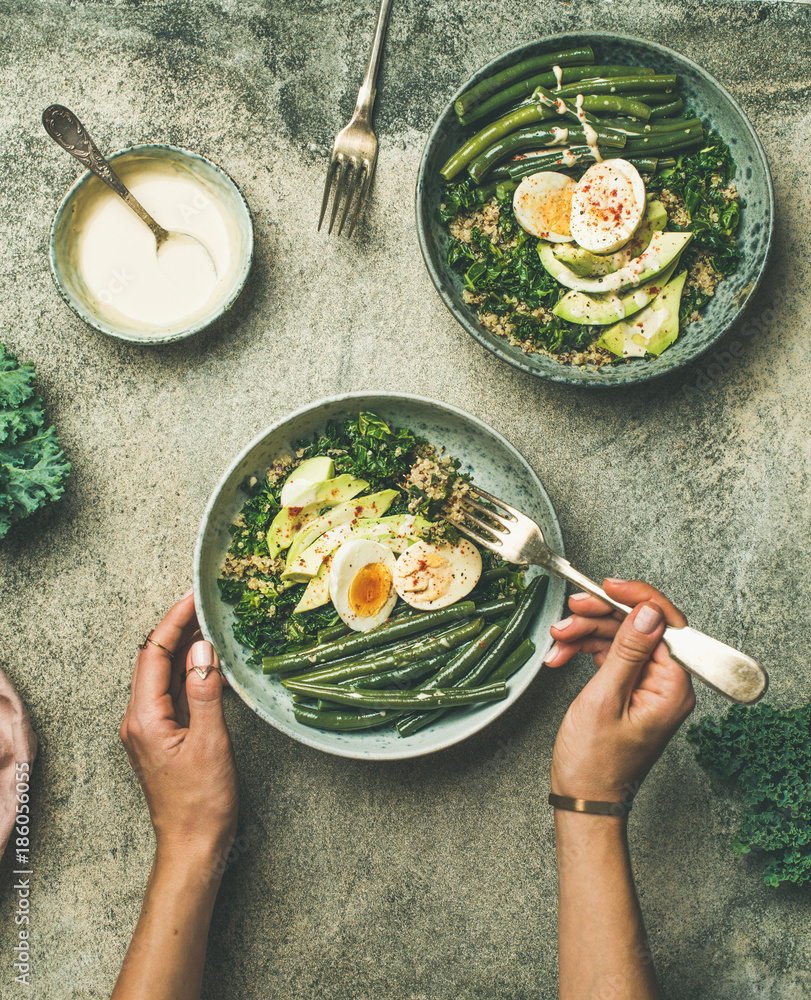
column 666, row 163
column 667, row 110
column 619, row 85
column 632, row 128
column 649, row 143
column 490, row 609
column 568, row 74
column 400, row 677
column 434, row 698
column 645, row 164
column 485, row 88
column 333, row 632
column 494, row 659
column 464, row 661
column 484, row 194
column 360, row 642
column 600, row 104
column 397, row 657
column 496, row 130
column 535, row 137
column 530, row 603
column 345, row 721
column 513, row 663
column 574, row 157
column 493, row 576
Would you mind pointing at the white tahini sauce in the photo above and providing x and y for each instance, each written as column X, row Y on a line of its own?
column 588, row 131
column 558, row 76
column 115, row 252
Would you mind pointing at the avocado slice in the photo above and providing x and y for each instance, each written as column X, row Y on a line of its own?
column 311, row 470
column 586, row 264
column 373, row 505
column 290, row 520
column 651, row 330
column 316, row 594
column 664, row 248
column 602, row 310
column 308, row 562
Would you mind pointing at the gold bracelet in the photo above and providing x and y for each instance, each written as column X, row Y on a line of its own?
column 618, row 809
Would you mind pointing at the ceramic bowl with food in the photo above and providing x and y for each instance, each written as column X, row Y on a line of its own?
column 484, row 454
column 707, row 100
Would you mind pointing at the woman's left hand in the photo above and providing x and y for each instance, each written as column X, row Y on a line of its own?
column 177, row 741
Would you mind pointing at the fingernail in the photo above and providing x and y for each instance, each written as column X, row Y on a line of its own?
column 580, row 596
column 188, row 593
column 647, row 619
column 202, row 654
column 563, row 625
column 552, row 656
column 614, row 579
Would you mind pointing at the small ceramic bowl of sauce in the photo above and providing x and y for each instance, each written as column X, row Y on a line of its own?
column 104, row 260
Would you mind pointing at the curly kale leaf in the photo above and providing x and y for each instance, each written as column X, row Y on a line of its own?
column 33, row 467
column 766, row 752
column 368, row 449
column 699, row 179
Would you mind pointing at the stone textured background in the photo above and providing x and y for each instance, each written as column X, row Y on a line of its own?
column 434, row 878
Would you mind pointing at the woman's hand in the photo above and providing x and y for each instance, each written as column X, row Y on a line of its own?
column 175, row 736
column 619, row 724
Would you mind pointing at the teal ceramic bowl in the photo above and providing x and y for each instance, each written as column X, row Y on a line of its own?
column 712, row 103
column 495, row 465
column 215, row 184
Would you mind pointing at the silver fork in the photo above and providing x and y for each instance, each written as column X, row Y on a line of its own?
column 354, row 152
column 518, row 539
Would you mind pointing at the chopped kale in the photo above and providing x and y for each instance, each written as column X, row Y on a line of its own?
column 699, row 179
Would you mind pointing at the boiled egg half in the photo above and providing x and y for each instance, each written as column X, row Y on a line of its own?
column 361, row 583
column 429, row 576
column 607, row 206
column 543, row 203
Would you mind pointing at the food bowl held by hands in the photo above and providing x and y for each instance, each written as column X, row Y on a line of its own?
column 494, row 464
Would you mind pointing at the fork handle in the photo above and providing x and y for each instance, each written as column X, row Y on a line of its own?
column 722, row 668
column 368, row 89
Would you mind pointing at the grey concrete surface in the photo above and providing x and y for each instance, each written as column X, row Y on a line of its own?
column 434, row 878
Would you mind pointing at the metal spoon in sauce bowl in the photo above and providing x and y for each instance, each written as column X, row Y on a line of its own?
column 179, row 254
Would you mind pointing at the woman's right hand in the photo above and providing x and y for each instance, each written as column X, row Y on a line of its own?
column 619, row 724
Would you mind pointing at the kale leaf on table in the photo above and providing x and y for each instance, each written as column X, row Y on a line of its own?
column 767, row 753
column 33, row 467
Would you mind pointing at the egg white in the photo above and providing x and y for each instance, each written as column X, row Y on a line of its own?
column 429, row 577
column 533, row 200
column 352, row 556
column 607, row 206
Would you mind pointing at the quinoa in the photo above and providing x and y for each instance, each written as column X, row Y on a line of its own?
column 701, row 275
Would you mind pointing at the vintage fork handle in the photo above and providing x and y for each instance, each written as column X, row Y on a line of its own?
column 726, row 670
column 368, row 89
column 67, row 131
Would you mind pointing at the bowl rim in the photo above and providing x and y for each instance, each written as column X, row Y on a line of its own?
column 304, row 737
column 184, row 332
column 473, row 329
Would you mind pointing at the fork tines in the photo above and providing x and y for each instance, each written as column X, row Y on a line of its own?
column 353, row 185
column 494, row 523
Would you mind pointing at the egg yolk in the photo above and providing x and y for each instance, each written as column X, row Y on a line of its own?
column 557, row 211
column 429, row 576
column 370, row 589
